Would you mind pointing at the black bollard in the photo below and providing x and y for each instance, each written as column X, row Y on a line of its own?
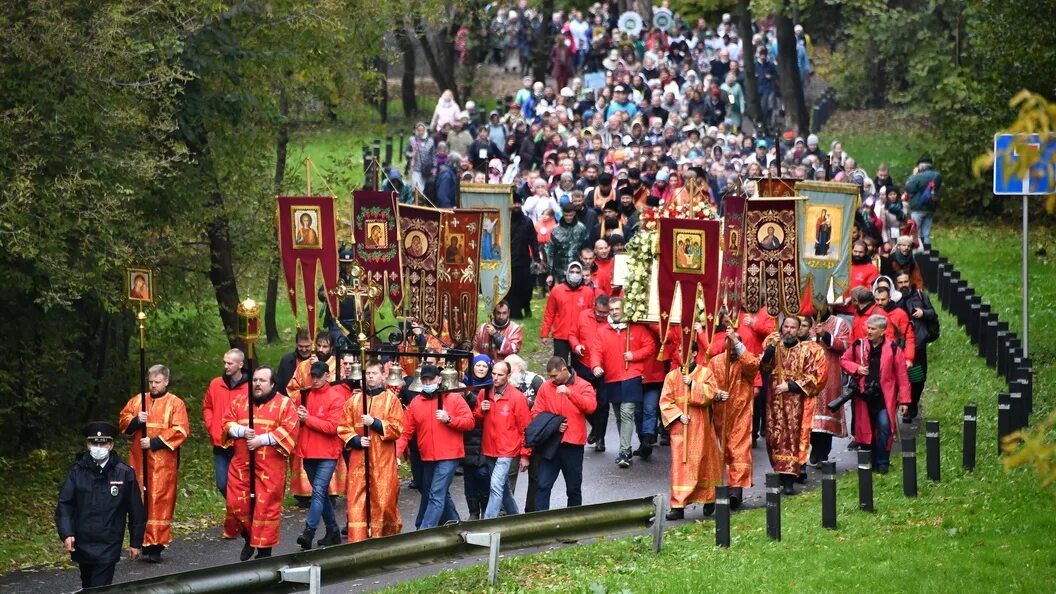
column 388, row 151
column 909, row 467
column 377, row 149
column 828, row 495
column 968, row 449
column 1025, row 385
column 934, row 462
column 960, row 301
column 722, row 516
column 865, row 480
column 989, row 341
column 975, row 311
column 980, row 325
column 1004, row 419
column 997, row 346
column 403, row 137
column 1017, row 415
column 773, row 505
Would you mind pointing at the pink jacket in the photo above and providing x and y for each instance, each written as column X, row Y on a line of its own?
column 894, row 381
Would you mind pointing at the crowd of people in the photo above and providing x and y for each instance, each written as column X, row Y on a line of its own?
column 585, row 157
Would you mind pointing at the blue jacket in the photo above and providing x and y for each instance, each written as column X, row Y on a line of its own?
column 446, row 187
column 542, row 435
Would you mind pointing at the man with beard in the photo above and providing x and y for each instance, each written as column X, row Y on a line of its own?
column 582, row 341
column 639, row 191
column 587, row 216
column 628, row 213
column 589, row 179
column 100, row 491
column 159, row 430
column 290, row 361
column 735, row 369
column 902, row 260
column 903, row 329
column 369, row 432
column 601, row 193
column 863, row 303
column 271, row 440
column 500, row 337
column 218, row 398
column 795, row 376
column 833, row 334
column 565, row 240
column 563, row 305
column 524, row 251
column 863, row 271
column 925, row 322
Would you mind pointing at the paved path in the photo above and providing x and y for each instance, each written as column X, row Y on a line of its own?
column 603, row 481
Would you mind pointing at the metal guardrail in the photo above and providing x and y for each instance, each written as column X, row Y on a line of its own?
column 336, row 564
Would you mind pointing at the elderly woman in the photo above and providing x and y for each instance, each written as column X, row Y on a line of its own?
column 446, row 112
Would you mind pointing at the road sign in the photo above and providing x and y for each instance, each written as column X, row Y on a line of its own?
column 1041, row 179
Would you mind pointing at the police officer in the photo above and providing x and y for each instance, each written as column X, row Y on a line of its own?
column 99, row 495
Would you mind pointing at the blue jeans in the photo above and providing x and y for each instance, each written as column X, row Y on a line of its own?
column 881, row 433
column 645, row 415
column 320, row 471
column 500, row 497
column 568, row 460
column 923, row 221
column 437, row 507
column 221, row 463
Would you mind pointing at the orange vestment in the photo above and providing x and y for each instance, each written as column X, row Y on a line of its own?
column 384, row 482
column 733, row 417
column 167, row 421
column 277, row 417
column 695, row 468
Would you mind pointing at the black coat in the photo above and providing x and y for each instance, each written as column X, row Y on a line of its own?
column 94, row 506
column 542, row 434
column 524, row 242
column 472, row 439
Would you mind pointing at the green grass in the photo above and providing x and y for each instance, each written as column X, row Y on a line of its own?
column 877, row 136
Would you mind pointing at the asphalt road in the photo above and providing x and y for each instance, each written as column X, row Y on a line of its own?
column 603, row 481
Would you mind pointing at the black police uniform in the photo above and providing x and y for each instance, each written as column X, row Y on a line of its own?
column 94, row 504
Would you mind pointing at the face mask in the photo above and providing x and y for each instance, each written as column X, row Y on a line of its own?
column 575, row 278
column 99, row 453
column 429, row 388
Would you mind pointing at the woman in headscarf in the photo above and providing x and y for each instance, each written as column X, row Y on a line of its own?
column 477, row 478
column 446, row 112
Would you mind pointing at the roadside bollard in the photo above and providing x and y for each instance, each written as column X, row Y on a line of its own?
column 1004, row 419
column 1017, row 415
column 934, row 463
column 828, row 495
column 1025, row 385
column 773, row 505
column 968, row 449
column 865, row 480
column 909, row 467
column 722, row 516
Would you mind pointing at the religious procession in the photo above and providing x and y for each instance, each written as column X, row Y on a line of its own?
column 715, row 295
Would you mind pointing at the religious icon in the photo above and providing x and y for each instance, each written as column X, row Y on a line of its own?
column 416, row 244
column 734, row 247
column 139, row 284
column 377, row 238
column 689, row 252
column 454, row 252
column 771, row 237
column 491, row 239
column 823, row 232
column 306, row 228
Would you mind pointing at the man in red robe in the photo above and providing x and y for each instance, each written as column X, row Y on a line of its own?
column 160, row 430
column 500, row 337
column 735, row 369
column 796, row 375
column 834, row 335
column 270, row 440
column 372, row 435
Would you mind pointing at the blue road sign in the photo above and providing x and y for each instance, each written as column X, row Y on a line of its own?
column 1041, row 178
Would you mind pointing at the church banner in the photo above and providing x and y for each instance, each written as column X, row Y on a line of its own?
column 308, row 246
column 774, row 187
column 495, row 254
column 460, row 232
column 420, row 231
column 377, row 235
column 771, row 266
column 825, row 222
column 731, row 279
column 689, row 267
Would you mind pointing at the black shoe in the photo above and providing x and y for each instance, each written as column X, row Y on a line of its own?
column 303, row 501
column 854, row 445
column 263, row 552
column 665, row 439
column 801, row 478
column 412, row 485
column 708, row 509
column 344, row 531
column 624, row 460
column 676, row 513
column 813, row 459
column 644, row 452
column 907, row 418
column 331, row 539
column 787, row 482
column 736, row 493
column 247, row 553
column 883, row 469
column 305, row 539
column 600, row 446
column 152, row 557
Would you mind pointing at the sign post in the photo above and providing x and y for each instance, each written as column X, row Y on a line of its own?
column 1011, row 180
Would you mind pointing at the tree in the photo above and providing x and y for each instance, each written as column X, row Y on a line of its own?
column 790, row 79
column 751, row 84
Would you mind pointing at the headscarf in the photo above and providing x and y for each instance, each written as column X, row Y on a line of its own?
column 471, row 380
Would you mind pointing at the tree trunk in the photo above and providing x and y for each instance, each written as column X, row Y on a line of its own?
column 407, row 91
column 543, row 41
column 441, row 68
column 282, row 140
column 751, row 85
column 222, row 268
column 382, row 66
column 790, row 81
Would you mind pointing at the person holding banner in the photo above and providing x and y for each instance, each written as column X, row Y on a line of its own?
column 161, row 429
column 271, row 441
column 735, row 369
column 370, row 430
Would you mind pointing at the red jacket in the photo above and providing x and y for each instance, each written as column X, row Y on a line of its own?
column 218, row 398
column 894, row 383
column 504, row 424
column 903, row 330
column 862, row 275
column 858, row 327
column 574, row 406
column 562, row 309
column 317, row 437
column 436, row 440
column 610, row 345
column 654, row 370
column 603, row 277
column 584, row 333
column 753, row 330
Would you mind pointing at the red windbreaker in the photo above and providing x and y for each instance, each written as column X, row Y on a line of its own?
column 317, row 438
column 562, row 309
column 611, row 344
column 585, row 331
column 603, row 277
column 218, row 398
column 574, row 406
column 436, row 440
column 504, row 424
